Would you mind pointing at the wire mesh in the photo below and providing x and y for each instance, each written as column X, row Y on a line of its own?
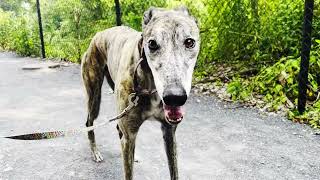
column 259, row 33
column 244, row 33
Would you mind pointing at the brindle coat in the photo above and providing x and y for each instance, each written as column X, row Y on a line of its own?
column 114, row 53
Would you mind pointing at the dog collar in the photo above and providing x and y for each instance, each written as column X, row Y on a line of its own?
column 138, row 90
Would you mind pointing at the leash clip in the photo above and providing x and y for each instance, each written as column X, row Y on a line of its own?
column 133, row 100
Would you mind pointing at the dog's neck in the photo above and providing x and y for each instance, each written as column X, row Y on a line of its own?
column 143, row 78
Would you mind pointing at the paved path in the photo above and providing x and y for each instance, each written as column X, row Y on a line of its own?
column 214, row 142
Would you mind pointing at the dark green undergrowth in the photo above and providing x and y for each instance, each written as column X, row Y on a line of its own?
column 277, row 87
column 257, row 56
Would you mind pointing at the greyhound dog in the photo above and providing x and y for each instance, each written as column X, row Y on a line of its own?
column 162, row 58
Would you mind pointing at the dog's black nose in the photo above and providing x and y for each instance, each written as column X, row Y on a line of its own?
column 174, row 96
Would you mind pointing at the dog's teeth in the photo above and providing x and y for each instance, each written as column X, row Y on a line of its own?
column 174, row 120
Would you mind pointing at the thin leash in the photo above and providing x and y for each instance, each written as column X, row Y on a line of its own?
column 133, row 102
column 132, row 99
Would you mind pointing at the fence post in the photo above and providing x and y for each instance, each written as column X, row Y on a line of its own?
column 43, row 53
column 118, row 12
column 305, row 55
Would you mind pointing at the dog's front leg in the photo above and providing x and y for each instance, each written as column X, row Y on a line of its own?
column 128, row 146
column 170, row 147
column 129, row 130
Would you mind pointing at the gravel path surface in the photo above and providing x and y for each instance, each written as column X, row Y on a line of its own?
column 214, row 141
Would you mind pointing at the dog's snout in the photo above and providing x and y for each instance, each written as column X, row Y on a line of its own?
column 174, row 96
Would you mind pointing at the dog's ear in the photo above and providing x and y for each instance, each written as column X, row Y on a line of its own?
column 147, row 16
column 183, row 9
column 186, row 12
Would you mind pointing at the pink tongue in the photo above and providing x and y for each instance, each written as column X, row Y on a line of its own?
column 173, row 112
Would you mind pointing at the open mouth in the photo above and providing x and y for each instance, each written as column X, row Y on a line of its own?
column 173, row 114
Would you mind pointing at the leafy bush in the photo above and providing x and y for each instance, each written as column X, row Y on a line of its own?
column 132, row 11
column 5, row 25
column 18, row 35
column 24, row 38
column 68, row 25
column 278, row 85
column 310, row 116
column 244, row 30
column 251, row 30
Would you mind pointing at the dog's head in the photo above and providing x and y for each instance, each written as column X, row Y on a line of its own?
column 171, row 43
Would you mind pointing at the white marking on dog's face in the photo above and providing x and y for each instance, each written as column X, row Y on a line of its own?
column 171, row 43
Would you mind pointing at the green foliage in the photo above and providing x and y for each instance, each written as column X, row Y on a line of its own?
column 19, row 33
column 132, row 11
column 68, row 25
column 310, row 116
column 278, row 84
column 24, row 40
column 5, row 22
column 238, row 89
column 13, row 5
column 251, row 30
column 232, row 30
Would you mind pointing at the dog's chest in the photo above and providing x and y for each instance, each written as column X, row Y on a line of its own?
column 153, row 109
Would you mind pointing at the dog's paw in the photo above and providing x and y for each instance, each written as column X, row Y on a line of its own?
column 97, row 157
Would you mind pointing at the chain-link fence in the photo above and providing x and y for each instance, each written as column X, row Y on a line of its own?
column 253, row 38
column 256, row 33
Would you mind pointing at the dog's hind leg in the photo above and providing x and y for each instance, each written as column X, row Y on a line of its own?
column 93, row 75
column 170, row 147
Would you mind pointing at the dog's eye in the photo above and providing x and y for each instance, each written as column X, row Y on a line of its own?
column 189, row 43
column 153, row 45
